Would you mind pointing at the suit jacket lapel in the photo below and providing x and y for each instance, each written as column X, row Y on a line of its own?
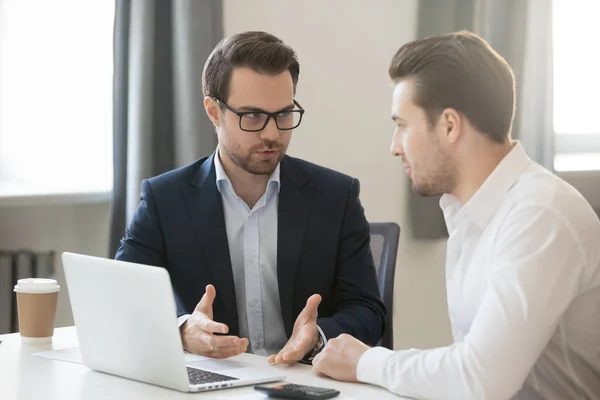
column 204, row 204
column 295, row 199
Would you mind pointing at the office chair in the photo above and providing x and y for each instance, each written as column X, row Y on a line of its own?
column 384, row 247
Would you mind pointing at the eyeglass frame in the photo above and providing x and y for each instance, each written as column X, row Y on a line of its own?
column 269, row 115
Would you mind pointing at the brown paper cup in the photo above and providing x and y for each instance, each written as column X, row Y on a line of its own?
column 36, row 303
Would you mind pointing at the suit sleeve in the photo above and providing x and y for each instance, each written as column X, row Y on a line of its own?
column 359, row 310
column 143, row 242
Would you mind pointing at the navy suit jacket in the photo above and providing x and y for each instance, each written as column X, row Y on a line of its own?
column 323, row 246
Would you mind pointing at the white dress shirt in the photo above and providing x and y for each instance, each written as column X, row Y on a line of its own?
column 252, row 239
column 523, row 284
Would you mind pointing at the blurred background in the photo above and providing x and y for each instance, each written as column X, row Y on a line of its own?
column 97, row 95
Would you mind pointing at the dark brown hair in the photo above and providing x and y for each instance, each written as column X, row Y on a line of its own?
column 460, row 70
column 260, row 51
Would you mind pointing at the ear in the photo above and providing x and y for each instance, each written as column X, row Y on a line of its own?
column 213, row 110
column 451, row 121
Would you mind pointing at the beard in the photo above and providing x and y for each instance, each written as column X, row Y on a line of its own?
column 427, row 189
column 252, row 165
column 437, row 178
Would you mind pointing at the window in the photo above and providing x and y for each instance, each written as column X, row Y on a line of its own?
column 576, row 85
column 56, row 61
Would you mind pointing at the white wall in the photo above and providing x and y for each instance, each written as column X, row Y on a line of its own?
column 344, row 47
column 77, row 228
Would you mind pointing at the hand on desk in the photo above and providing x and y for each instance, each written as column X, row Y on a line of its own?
column 197, row 333
column 339, row 359
column 304, row 336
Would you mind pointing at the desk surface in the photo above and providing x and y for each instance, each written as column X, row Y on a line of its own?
column 28, row 377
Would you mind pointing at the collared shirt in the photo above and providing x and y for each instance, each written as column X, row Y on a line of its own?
column 523, row 284
column 252, row 238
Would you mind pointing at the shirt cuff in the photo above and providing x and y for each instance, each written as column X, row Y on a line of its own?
column 181, row 320
column 322, row 335
column 372, row 365
column 307, row 359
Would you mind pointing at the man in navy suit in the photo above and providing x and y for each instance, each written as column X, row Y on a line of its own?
column 266, row 253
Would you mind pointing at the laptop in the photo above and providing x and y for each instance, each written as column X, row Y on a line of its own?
column 126, row 322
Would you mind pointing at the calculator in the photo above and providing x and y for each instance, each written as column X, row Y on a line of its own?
column 300, row 392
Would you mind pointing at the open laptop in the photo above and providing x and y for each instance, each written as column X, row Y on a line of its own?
column 126, row 322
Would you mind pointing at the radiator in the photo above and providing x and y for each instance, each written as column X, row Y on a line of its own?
column 15, row 265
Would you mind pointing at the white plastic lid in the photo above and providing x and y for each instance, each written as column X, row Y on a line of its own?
column 36, row 285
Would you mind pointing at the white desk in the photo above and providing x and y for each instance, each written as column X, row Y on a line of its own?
column 25, row 376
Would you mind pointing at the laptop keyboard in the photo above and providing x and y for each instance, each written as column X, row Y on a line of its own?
column 199, row 376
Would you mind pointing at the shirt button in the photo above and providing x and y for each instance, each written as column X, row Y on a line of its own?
column 253, row 303
column 250, row 217
column 251, row 260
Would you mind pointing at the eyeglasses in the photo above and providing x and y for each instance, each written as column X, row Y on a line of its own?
column 255, row 121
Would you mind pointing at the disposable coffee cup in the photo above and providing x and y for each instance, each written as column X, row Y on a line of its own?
column 36, row 304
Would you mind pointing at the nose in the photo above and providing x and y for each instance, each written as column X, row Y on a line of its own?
column 396, row 146
column 270, row 132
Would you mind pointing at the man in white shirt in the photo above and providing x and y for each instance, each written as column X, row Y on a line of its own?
column 522, row 268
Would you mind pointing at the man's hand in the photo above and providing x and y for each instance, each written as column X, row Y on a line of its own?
column 339, row 359
column 304, row 336
column 197, row 332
